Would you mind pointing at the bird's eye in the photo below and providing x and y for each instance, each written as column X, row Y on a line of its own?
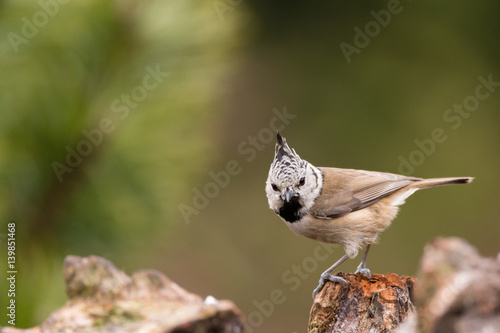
column 302, row 181
column 275, row 187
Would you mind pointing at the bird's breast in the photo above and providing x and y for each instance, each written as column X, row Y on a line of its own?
column 352, row 230
column 313, row 228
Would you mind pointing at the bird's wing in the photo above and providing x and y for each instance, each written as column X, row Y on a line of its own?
column 348, row 190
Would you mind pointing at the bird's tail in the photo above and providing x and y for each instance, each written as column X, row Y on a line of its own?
column 433, row 182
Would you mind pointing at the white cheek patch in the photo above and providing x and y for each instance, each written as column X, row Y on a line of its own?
column 274, row 201
column 400, row 198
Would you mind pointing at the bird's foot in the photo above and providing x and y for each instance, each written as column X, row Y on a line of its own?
column 364, row 271
column 327, row 277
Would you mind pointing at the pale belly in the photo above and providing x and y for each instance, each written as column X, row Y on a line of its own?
column 352, row 231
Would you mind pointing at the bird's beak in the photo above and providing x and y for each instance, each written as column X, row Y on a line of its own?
column 289, row 193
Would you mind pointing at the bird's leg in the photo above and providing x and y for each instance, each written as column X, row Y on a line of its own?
column 362, row 266
column 325, row 276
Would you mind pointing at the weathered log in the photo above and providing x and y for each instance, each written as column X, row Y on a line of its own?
column 378, row 304
column 458, row 291
column 104, row 299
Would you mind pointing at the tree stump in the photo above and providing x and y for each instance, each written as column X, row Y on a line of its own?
column 458, row 291
column 378, row 304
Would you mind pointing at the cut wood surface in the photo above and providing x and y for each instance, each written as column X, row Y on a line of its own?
column 378, row 304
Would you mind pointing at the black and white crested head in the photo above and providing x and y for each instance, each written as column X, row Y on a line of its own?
column 293, row 184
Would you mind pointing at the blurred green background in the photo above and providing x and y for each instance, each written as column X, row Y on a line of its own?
column 221, row 68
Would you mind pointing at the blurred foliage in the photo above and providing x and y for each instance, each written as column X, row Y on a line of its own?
column 60, row 84
column 229, row 65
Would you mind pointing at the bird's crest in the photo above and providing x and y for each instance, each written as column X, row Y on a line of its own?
column 286, row 162
column 283, row 150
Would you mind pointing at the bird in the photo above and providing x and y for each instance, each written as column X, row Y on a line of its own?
column 341, row 206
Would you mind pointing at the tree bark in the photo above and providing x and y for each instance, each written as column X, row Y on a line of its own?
column 378, row 304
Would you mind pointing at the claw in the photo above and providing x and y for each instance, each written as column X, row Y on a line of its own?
column 323, row 280
column 364, row 271
column 319, row 287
